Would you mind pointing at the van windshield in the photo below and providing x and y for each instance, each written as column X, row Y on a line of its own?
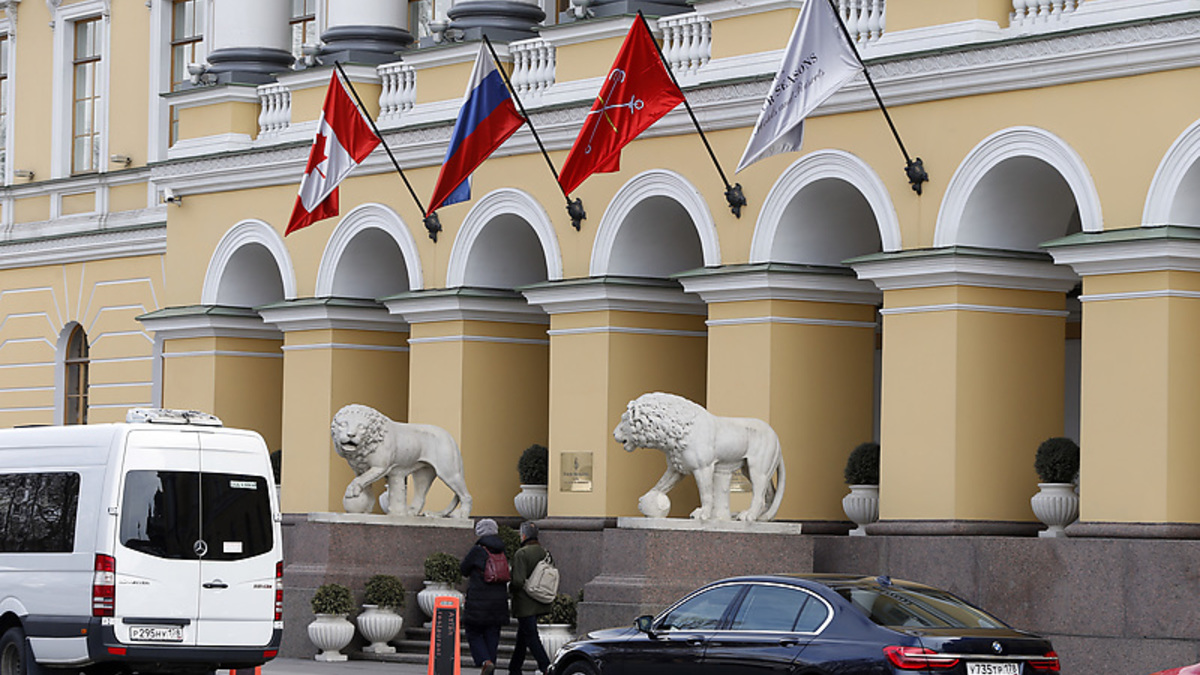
column 166, row 514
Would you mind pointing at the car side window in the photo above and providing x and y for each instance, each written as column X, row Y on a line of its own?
column 702, row 611
column 778, row 609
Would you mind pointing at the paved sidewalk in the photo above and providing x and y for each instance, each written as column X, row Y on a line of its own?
column 313, row 667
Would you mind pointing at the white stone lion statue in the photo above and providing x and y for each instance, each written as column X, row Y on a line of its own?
column 709, row 447
column 375, row 447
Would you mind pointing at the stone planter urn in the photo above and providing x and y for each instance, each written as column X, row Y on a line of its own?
column 379, row 626
column 1056, row 505
column 432, row 591
column 554, row 636
column 862, row 507
column 330, row 633
column 532, row 503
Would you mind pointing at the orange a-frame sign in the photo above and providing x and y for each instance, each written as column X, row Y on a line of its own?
column 444, row 648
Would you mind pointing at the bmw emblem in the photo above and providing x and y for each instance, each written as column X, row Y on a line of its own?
column 200, row 548
column 997, row 648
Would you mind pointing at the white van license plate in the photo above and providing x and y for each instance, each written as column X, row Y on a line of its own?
column 156, row 633
column 993, row 669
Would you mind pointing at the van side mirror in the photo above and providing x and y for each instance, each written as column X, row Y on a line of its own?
column 645, row 624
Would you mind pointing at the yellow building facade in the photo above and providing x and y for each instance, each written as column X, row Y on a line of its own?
column 1044, row 282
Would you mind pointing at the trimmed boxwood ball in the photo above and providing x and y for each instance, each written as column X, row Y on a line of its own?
column 862, row 466
column 1057, row 460
column 563, row 609
column 511, row 539
column 442, row 567
column 384, row 590
column 332, row 599
column 533, row 465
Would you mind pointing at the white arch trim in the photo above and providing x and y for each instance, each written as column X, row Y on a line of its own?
column 1009, row 144
column 1168, row 179
column 654, row 183
column 245, row 233
column 504, row 201
column 813, row 167
column 365, row 217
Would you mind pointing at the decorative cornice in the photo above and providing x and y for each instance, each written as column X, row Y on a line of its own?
column 174, row 323
column 1139, row 249
column 330, row 314
column 774, row 281
column 594, row 294
column 463, row 304
column 962, row 266
column 84, row 246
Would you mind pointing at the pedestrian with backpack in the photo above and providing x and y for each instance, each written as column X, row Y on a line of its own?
column 525, row 608
column 486, row 607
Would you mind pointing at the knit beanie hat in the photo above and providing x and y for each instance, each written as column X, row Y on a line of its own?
column 486, row 526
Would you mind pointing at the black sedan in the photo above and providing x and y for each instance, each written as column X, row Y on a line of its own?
column 817, row 624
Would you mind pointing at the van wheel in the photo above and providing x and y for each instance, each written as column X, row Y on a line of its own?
column 12, row 652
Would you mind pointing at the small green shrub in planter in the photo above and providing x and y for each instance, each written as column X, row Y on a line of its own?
column 512, row 540
column 1057, row 460
column 384, row 591
column 862, row 466
column 533, row 465
column 332, row 599
column 442, row 567
column 563, row 610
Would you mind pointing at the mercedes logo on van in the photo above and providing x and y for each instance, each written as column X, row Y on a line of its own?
column 201, row 548
column 997, row 648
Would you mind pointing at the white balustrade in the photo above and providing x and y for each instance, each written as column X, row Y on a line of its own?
column 1034, row 13
column 275, row 109
column 864, row 19
column 533, row 66
column 687, row 42
column 398, row 92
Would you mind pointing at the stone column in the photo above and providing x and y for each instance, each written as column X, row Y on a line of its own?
column 479, row 369
column 224, row 361
column 795, row 346
column 973, row 364
column 1139, row 430
column 501, row 20
column 366, row 31
column 250, row 40
column 612, row 340
column 335, row 352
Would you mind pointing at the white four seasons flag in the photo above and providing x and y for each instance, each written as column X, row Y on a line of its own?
column 817, row 62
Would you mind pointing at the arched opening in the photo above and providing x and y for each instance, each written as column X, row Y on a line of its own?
column 828, row 221
column 1018, row 204
column 506, row 254
column 250, row 279
column 657, row 238
column 75, row 385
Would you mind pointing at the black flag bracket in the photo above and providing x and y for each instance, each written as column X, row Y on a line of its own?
column 915, row 170
column 578, row 215
column 433, row 225
column 733, row 195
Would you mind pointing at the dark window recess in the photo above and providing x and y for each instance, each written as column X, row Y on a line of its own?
column 37, row 512
column 164, row 514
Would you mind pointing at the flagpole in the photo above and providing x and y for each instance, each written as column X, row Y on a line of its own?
column 733, row 193
column 914, row 169
column 432, row 224
column 574, row 208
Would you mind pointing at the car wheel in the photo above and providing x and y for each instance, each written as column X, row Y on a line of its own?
column 12, row 652
column 577, row 668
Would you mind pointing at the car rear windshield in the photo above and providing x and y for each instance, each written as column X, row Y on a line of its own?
column 189, row 515
column 898, row 607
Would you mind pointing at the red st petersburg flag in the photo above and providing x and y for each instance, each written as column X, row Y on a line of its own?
column 344, row 139
column 637, row 92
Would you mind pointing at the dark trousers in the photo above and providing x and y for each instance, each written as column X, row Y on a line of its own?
column 527, row 637
column 484, row 641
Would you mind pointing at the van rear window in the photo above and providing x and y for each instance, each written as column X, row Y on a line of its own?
column 37, row 512
column 186, row 515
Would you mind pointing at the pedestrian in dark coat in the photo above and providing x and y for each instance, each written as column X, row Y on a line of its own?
column 525, row 609
column 486, row 609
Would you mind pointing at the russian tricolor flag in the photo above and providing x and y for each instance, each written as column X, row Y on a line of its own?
column 487, row 118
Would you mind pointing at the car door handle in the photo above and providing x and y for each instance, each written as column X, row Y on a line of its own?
column 695, row 641
column 788, row 642
column 217, row 583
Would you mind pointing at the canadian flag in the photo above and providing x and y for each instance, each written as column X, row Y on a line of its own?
column 344, row 139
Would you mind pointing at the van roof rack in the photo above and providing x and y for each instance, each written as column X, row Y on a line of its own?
column 170, row 416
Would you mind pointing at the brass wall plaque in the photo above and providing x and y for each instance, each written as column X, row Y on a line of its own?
column 576, row 472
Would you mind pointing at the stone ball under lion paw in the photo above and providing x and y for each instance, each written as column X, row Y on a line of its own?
column 655, row 504
column 358, row 504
